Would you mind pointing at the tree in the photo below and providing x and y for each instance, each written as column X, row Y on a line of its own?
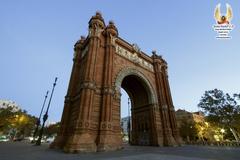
column 188, row 130
column 16, row 123
column 207, row 131
column 236, row 121
column 52, row 129
column 6, row 116
column 222, row 109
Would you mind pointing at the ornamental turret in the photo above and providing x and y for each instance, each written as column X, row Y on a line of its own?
column 96, row 25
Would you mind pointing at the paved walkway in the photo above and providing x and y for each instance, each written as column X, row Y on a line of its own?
column 25, row 151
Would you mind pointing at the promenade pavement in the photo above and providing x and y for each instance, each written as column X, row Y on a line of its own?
column 26, row 151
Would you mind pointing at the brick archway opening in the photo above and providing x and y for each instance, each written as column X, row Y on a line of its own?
column 140, row 121
column 125, row 116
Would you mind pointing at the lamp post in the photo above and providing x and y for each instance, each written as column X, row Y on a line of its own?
column 39, row 119
column 129, row 125
column 45, row 117
column 222, row 131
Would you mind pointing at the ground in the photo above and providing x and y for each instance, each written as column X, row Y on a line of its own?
column 26, row 151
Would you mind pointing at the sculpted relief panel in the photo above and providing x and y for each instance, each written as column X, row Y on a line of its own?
column 133, row 57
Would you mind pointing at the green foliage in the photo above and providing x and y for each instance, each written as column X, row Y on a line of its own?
column 221, row 109
column 16, row 123
column 188, row 130
column 6, row 114
column 52, row 130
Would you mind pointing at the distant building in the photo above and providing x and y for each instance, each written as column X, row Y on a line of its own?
column 49, row 123
column 198, row 116
column 183, row 115
column 8, row 103
column 124, row 125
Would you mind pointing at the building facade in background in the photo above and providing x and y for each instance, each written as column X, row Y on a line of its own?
column 125, row 125
column 7, row 103
column 191, row 117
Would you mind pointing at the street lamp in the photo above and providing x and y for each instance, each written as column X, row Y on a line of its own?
column 222, row 131
column 45, row 117
column 201, row 133
column 129, row 125
column 207, row 124
column 39, row 119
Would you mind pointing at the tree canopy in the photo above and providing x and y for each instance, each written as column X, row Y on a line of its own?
column 16, row 123
column 222, row 109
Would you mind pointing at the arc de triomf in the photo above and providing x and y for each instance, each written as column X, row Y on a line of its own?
column 103, row 63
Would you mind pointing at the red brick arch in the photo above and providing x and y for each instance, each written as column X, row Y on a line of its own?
column 103, row 62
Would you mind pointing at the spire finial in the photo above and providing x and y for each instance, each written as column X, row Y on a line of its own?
column 97, row 19
column 111, row 22
column 112, row 28
column 98, row 13
column 154, row 52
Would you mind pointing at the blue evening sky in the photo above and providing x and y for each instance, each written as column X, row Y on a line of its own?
column 37, row 38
